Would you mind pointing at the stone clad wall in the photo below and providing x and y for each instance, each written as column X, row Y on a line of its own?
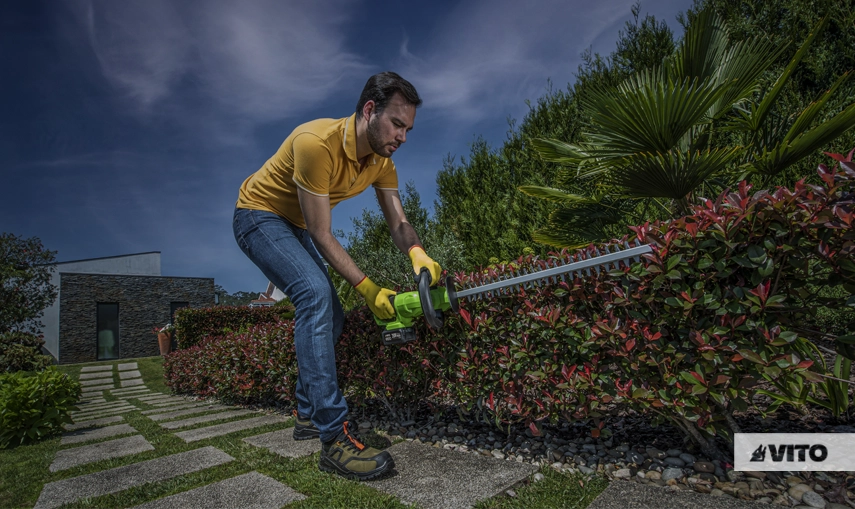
column 144, row 302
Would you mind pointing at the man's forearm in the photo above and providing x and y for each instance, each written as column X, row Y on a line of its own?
column 405, row 237
column 335, row 255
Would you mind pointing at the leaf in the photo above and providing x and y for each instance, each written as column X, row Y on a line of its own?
column 751, row 356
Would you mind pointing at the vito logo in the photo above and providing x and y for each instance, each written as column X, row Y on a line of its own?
column 793, row 451
column 817, row 452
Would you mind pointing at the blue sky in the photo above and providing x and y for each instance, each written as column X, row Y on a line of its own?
column 127, row 126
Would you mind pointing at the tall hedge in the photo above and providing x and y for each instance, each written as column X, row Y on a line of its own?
column 685, row 335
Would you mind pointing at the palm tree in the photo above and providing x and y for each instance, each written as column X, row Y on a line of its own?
column 654, row 141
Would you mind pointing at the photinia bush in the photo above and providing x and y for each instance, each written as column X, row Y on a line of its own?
column 686, row 334
column 192, row 325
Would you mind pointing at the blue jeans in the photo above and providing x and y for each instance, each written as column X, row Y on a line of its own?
column 288, row 258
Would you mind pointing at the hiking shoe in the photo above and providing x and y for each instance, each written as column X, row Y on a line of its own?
column 304, row 429
column 348, row 457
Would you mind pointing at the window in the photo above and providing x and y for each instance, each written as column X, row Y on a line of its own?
column 108, row 331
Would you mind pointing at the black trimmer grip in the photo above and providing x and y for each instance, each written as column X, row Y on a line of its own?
column 452, row 293
column 423, row 281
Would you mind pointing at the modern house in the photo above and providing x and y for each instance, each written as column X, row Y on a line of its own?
column 270, row 297
column 107, row 307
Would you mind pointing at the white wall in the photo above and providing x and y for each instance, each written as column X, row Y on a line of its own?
column 143, row 264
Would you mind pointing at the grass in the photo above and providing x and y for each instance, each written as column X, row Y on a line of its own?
column 24, row 469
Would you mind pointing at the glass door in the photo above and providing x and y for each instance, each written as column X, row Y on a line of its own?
column 108, row 331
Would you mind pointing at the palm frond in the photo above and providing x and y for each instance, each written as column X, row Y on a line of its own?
column 771, row 162
column 702, row 47
column 647, row 114
column 553, row 195
column 557, row 151
column 673, row 174
column 742, row 65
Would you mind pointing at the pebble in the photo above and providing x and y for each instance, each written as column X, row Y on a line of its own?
column 585, row 470
column 653, row 475
column 538, row 477
column 623, row 473
column 688, row 459
column 798, row 490
column 733, row 475
column 675, row 462
column 674, row 453
column 756, row 475
column 717, row 493
column 634, row 457
column 656, row 453
column 672, row 473
column 814, row 500
column 704, row 466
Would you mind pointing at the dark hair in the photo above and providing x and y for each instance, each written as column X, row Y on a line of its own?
column 381, row 87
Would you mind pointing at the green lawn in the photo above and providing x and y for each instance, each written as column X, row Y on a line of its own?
column 24, row 469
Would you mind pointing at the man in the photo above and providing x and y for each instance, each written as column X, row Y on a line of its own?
column 283, row 220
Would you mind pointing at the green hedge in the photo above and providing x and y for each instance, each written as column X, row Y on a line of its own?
column 35, row 405
column 718, row 306
column 192, row 325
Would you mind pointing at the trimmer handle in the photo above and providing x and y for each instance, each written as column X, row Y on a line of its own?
column 432, row 316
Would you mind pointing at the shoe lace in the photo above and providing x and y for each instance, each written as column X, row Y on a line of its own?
column 351, row 441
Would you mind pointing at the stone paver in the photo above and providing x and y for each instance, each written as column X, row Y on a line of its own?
column 78, row 437
column 120, row 447
column 194, row 435
column 133, row 382
column 196, row 408
column 90, row 369
column 129, row 390
column 99, row 381
column 98, row 374
column 91, row 401
column 118, row 479
column 156, row 395
column 127, row 366
column 162, row 404
column 282, row 443
column 94, row 423
column 438, row 478
column 99, row 407
column 138, row 391
column 123, row 375
column 205, row 418
column 98, row 388
column 250, row 490
column 106, row 413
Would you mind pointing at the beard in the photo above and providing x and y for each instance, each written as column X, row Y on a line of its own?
column 374, row 140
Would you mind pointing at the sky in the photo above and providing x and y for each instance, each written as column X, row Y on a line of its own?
column 128, row 126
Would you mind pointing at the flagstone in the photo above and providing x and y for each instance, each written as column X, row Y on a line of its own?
column 105, row 413
column 128, row 366
column 282, row 443
column 133, row 382
column 123, row 375
column 119, row 479
column 205, row 418
column 252, row 489
column 78, row 437
column 98, row 388
column 162, row 404
column 100, row 381
column 217, row 430
column 132, row 391
column 98, row 374
column 158, row 396
column 94, row 423
column 118, row 448
column 437, row 478
column 173, row 412
column 90, row 369
column 93, row 407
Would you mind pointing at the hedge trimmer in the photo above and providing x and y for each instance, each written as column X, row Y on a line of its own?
column 432, row 302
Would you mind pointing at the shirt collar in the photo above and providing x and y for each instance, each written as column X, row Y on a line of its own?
column 349, row 140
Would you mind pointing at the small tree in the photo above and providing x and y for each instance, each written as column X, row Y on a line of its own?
column 25, row 283
column 25, row 292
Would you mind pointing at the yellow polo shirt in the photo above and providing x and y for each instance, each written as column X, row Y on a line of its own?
column 320, row 158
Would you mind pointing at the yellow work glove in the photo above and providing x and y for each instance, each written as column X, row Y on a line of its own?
column 421, row 259
column 377, row 298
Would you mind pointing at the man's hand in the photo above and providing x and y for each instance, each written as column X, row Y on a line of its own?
column 377, row 298
column 421, row 259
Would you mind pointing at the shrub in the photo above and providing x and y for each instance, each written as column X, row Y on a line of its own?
column 718, row 306
column 35, row 405
column 21, row 351
column 192, row 325
column 258, row 365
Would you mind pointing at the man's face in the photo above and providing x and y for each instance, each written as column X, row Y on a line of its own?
column 388, row 130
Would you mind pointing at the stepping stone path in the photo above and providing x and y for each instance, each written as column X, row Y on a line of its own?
column 431, row 477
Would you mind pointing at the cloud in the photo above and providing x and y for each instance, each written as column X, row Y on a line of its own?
column 259, row 61
column 489, row 53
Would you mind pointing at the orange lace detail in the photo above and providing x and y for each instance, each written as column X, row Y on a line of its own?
column 359, row 445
